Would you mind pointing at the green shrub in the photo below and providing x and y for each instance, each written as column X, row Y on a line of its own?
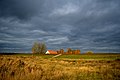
column 89, row 52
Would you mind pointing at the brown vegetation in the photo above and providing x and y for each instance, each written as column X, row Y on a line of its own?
column 13, row 67
column 69, row 51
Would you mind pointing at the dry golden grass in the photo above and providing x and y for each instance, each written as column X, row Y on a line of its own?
column 13, row 67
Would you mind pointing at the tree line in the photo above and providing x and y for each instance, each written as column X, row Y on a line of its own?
column 69, row 51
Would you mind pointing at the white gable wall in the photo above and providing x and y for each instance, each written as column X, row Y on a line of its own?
column 47, row 52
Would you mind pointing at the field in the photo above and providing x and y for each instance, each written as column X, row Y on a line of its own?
column 64, row 67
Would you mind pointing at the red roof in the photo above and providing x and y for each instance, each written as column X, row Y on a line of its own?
column 52, row 52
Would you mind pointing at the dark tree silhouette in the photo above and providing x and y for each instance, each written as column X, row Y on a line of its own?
column 39, row 48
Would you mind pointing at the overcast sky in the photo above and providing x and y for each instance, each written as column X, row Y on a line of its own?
column 77, row 24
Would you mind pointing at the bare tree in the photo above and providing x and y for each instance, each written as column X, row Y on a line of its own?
column 39, row 48
column 69, row 51
column 62, row 51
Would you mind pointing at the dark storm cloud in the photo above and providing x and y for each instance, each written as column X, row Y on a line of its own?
column 19, row 9
column 79, row 24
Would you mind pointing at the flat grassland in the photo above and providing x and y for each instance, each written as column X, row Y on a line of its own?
column 64, row 67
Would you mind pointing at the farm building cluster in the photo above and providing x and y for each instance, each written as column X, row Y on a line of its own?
column 61, row 51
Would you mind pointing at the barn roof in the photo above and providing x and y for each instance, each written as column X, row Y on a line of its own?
column 52, row 52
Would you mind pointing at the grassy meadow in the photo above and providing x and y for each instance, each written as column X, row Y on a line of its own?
column 64, row 67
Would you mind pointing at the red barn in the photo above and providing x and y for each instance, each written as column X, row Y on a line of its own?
column 51, row 52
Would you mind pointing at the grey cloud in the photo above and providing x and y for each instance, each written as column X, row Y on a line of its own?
column 79, row 24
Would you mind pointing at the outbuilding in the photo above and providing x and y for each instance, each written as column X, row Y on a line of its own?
column 51, row 52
